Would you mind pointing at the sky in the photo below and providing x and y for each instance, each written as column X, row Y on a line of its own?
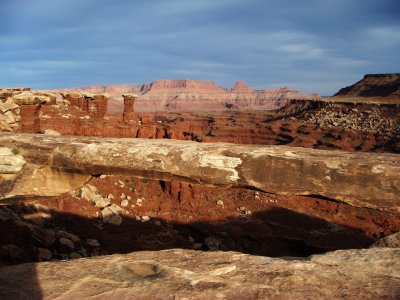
column 310, row 45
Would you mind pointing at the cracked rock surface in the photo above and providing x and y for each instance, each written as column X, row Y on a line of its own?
column 187, row 274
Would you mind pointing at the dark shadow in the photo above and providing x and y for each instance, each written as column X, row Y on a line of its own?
column 31, row 232
column 274, row 232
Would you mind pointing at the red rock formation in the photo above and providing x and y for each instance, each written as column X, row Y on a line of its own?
column 30, row 121
column 115, row 91
column 129, row 101
column 184, row 85
column 94, row 104
column 241, row 87
column 29, row 106
column 97, row 104
column 75, row 99
column 374, row 85
column 196, row 95
column 192, row 95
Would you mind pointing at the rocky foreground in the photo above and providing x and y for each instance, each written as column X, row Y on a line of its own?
column 187, row 274
column 64, row 163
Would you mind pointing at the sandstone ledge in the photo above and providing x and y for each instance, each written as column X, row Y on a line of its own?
column 187, row 274
column 361, row 179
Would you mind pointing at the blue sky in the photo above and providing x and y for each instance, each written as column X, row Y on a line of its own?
column 310, row 45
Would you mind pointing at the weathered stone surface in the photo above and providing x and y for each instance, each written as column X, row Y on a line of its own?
column 51, row 132
column 9, row 115
column 391, row 241
column 129, row 102
column 361, row 179
column 93, row 103
column 46, row 181
column 90, row 193
column 30, row 98
column 111, row 214
column 7, row 106
column 186, row 274
column 10, row 161
column 374, row 85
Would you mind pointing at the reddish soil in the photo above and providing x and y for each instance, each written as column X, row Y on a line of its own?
column 204, row 217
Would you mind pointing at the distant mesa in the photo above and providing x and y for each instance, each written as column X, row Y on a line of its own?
column 185, row 85
column 374, row 85
column 195, row 95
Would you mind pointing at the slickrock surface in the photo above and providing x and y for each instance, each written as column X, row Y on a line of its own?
column 362, row 179
column 185, row 274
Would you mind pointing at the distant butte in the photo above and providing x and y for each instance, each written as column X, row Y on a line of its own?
column 381, row 86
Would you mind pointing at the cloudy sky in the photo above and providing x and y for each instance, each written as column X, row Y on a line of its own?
column 310, row 45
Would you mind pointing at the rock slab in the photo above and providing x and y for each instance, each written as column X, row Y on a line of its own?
column 360, row 179
column 187, row 274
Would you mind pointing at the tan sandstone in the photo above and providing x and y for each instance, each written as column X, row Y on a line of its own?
column 360, row 179
column 187, row 274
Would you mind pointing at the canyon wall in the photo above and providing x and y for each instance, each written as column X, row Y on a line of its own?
column 318, row 123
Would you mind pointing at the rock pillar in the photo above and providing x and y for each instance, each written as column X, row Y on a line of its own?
column 29, row 107
column 129, row 113
column 30, row 121
column 75, row 99
column 97, row 104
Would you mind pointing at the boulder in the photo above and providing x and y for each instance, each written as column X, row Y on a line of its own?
column 111, row 215
column 390, row 241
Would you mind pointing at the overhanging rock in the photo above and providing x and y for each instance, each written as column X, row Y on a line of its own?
column 361, row 179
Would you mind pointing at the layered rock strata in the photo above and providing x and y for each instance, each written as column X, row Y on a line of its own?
column 129, row 102
column 94, row 104
column 21, row 108
column 385, row 87
column 369, row 180
column 195, row 95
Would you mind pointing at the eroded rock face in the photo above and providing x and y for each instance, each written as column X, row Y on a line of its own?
column 185, row 274
column 10, row 161
column 129, row 101
column 94, row 104
column 391, row 241
column 374, row 85
column 20, row 109
column 273, row 169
